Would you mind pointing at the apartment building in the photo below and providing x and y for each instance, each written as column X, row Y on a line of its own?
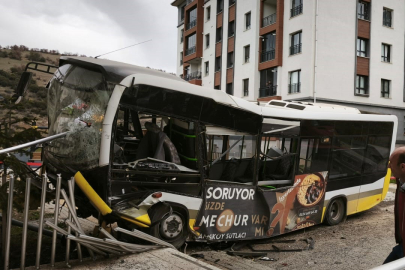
column 346, row 52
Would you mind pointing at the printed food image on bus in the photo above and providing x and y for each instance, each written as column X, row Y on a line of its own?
column 311, row 190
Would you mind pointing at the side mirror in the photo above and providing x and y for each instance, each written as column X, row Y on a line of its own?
column 23, row 86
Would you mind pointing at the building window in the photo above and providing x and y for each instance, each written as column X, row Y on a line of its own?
column 268, row 47
column 245, row 87
column 361, row 85
column 296, row 7
column 219, row 34
column 192, row 19
column 247, row 20
column 231, row 29
column 385, row 88
column 229, row 88
column 363, row 10
column 387, row 17
column 246, row 50
column 362, row 47
column 217, row 87
column 181, row 35
column 217, row 63
column 220, row 6
column 207, row 40
column 191, row 44
column 208, row 11
column 230, row 60
column 207, row 68
column 294, row 85
column 181, row 10
column 231, row 2
column 296, row 43
column 268, row 82
column 181, row 58
column 385, row 53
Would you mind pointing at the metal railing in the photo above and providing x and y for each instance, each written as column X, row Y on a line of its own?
column 395, row 265
column 387, row 22
column 363, row 16
column 294, row 88
column 295, row 49
column 105, row 247
column 268, row 91
column 191, row 24
column 385, row 58
column 193, row 76
column 267, row 55
column 190, row 50
column 269, row 20
column 296, row 10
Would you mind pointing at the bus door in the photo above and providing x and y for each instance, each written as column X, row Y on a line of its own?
column 232, row 208
column 376, row 156
column 293, row 180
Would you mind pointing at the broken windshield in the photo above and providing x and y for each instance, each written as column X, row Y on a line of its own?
column 77, row 101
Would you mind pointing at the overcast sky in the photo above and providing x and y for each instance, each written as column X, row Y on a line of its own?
column 94, row 27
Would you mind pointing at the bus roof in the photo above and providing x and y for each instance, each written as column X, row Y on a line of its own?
column 114, row 71
column 117, row 71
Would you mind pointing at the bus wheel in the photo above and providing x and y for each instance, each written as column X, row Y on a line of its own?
column 171, row 228
column 336, row 212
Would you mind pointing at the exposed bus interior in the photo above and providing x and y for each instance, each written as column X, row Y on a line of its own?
column 154, row 148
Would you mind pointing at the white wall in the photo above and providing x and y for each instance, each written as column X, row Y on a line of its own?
column 209, row 53
column 394, row 36
column 304, row 60
column 336, row 50
column 179, row 68
column 242, row 38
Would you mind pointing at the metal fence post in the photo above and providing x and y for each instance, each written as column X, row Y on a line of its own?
column 56, row 215
column 25, row 222
column 9, row 217
column 41, row 220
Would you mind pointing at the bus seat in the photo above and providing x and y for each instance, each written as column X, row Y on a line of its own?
column 279, row 168
column 157, row 145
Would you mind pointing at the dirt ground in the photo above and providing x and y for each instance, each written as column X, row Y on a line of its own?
column 363, row 241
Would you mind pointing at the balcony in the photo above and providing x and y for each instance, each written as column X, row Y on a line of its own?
column 294, row 88
column 269, row 20
column 190, row 50
column 191, row 24
column 363, row 16
column 193, row 76
column 189, row 2
column 295, row 49
column 296, row 11
column 268, row 91
column 267, row 55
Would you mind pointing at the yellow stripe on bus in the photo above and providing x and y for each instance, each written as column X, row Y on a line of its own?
column 368, row 202
column 386, row 184
column 144, row 219
column 92, row 195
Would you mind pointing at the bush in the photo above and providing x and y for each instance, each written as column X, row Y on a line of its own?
column 42, row 59
column 34, row 56
column 14, row 54
column 3, row 54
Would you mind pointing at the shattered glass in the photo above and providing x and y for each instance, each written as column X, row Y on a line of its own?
column 77, row 102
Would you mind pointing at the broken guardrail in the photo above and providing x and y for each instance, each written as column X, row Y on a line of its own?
column 108, row 246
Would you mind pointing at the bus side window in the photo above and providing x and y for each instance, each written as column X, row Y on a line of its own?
column 232, row 157
column 314, row 155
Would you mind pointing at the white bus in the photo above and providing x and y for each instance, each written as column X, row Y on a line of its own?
column 185, row 162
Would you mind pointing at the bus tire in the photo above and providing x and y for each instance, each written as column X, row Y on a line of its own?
column 171, row 227
column 335, row 212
